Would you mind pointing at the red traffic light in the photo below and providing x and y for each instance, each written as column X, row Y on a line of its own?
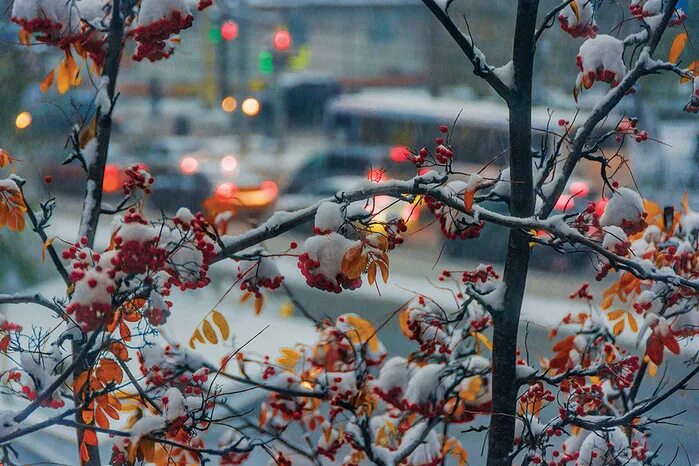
column 229, row 30
column 282, row 40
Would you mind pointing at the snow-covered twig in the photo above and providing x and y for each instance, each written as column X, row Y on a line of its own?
column 31, row 298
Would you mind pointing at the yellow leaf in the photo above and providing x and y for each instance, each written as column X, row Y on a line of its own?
column 287, row 310
column 614, row 315
column 197, row 336
column 693, row 69
column 46, row 82
column 47, row 244
column 677, row 47
column 619, row 327
column 221, row 323
column 470, row 393
column 652, row 368
column 245, row 296
column 483, row 339
column 576, row 9
column 364, row 332
column 289, row 358
column 87, row 133
column 209, row 332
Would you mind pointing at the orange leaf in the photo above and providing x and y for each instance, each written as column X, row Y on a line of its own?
column 384, row 271
column 119, row 350
column 619, row 327
column 46, row 82
column 371, row 274
column 354, row 262
column 468, row 199
column 677, row 47
column 84, row 454
column 614, row 315
column 101, row 419
column 90, row 438
column 364, row 331
column 88, row 416
column 632, row 323
column 259, row 303
column 109, row 371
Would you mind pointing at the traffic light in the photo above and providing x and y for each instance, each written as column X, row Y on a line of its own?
column 282, row 40
column 229, row 30
column 265, row 62
column 214, row 35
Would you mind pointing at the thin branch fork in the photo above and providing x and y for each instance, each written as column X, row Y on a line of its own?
column 480, row 67
column 603, row 108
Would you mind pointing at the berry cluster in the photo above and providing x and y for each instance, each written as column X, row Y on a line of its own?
column 443, row 152
column 137, row 178
column 629, row 126
column 151, row 37
column 578, row 28
column 256, row 274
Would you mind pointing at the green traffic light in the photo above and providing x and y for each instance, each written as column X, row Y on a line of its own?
column 266, row 62
column 215, row 35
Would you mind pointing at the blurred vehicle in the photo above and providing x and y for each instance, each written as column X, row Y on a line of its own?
column 479, row 129
column 367, row 162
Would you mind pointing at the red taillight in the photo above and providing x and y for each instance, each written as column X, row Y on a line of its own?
column 565, row 202
column 376, row 175
column 111, row 179
column 225, row 190
column 579, row 188
column 270, row 188
column 399, row 154
column 189, row 165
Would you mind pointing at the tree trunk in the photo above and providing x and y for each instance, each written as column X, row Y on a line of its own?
column 506, row 320
column 93, row 194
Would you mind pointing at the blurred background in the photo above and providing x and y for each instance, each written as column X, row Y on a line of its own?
column 274, row 104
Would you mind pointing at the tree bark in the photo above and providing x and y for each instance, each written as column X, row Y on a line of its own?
column 506, row 319
column 93, row 193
